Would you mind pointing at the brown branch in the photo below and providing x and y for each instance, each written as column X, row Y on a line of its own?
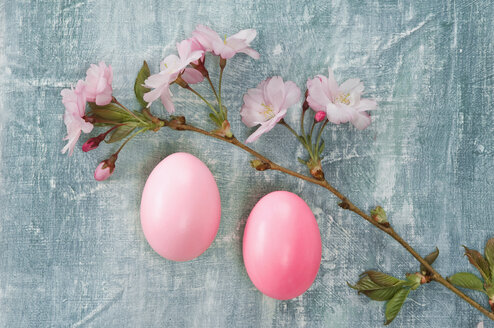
column 180, row 125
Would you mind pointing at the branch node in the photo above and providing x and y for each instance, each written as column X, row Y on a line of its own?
column 260, row 165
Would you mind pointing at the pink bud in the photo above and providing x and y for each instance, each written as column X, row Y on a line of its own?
column 91, row 144
column 104, row 170
column 320, row 116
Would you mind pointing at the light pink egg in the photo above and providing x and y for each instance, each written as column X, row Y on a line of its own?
column 282, row 245
column 180, row 207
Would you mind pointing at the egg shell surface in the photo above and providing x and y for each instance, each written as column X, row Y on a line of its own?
column 180, row 207
column 282, row 245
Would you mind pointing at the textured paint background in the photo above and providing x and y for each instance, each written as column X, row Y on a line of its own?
column 72, row 252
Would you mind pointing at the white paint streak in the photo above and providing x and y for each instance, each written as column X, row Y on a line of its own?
column 401, row 36
column 99, row 309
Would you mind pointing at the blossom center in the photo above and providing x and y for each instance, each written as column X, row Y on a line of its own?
column 268, row 111
column 224, row 40
column 343, row 98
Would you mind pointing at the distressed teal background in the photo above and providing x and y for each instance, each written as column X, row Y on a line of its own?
column 72, row 252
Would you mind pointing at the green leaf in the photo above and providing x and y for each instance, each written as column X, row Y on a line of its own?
column 394, row 305
column 321, row 147
column 364, row 284
column 120, row 133
column 377, row 285
column 110, row 112
column 139, row 89
column 301, row 161
column 383, row 294
column 382, row 279
column 467, row 280
column 478, row 261
column 215, row 119
column 489, row 255
column 429, row 259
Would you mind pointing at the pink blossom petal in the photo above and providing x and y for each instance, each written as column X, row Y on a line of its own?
column 166, row 100
column 332, row 85
column 339, row 113
column 366, row 104
column 274, row 92
column 192, row 76
column 266, row 127
column 152, row 95
column 245, row 35
column 250, row 52
column 292, row 94
column 317, row 98
column 352, row 86
column 361, row 120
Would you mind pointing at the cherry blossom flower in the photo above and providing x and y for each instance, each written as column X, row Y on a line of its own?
column 340, row 103
column 267, row 104
column 75, row 109
column 98, row 84
column 171, row 68
column 226, row 48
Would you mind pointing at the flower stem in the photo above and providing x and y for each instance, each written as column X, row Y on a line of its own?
column 222, row 68
column 282, row 122
column 203, row 99
column 303, row 141
column 345, row 204
column 128, row 110
column 320, row 133
column 213, row 88
column 130, row 138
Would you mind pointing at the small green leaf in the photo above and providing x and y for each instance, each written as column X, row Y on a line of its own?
column 429, row 259
column 301, row 161
column 365, row 283
column 139, row 89
column 120, row 133
column 478, row 261
column 394, row 305
column 382, row 279
column 321, row 147
column 377, row 285
column 215, row 119
column 110, row 112
column 467, row 280
column 383, row 294
column 489, row 255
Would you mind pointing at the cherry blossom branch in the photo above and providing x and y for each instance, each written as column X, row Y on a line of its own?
column 265, row 163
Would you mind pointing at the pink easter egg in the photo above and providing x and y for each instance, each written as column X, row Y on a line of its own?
column 282, row 245
column 180, row 207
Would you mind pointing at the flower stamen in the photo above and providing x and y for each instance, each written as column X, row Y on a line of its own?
column 267, row 112
column 343, row 98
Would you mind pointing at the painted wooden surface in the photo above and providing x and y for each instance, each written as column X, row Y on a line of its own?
column 72, row 252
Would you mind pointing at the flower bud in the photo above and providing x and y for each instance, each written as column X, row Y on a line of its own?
column 105, row 169
column 91, row 144
column 321, row 115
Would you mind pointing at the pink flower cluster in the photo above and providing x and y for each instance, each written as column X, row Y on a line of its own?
column 267, row 104
column 191, row 52
column 96, row 88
